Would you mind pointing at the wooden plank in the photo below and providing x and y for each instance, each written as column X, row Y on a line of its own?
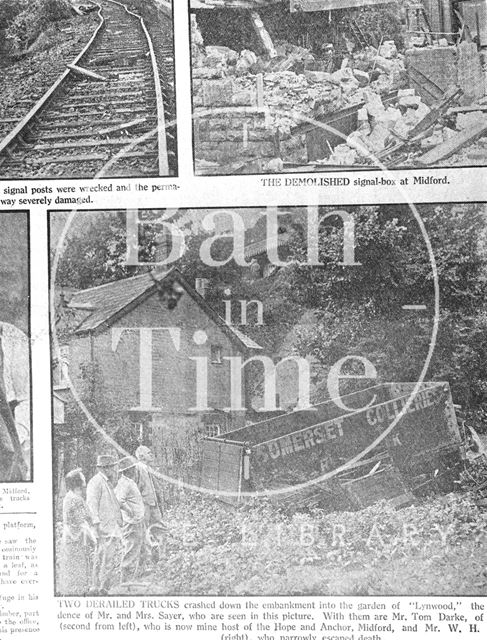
column 86, row 72
column 456, row 143
column 263, row 34
column 471, row 108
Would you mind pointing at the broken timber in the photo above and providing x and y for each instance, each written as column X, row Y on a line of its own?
column 263, row 34
column 85, row 72
column 125, row 125
column 457, row 142
column 424, row 126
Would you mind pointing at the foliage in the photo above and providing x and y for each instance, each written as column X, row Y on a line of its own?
column 215, row 550
column 95, row 252
column 350, row 310
column 358, row 310
column 379, row 23
column 35, row 17
column 9, row 9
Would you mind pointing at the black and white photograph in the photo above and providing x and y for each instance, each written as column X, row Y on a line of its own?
column 332, row 85
column 88, row 89
column 270, row 401
column 15, row 389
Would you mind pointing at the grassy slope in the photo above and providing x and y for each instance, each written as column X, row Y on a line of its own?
column 25, row 80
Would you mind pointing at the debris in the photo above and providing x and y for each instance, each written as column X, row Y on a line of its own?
column 362, row 77
column 85, row 72
column 388, row 50
column 467, row 120
column 343, row 155
column 220, row 55
column 276, row 165
column 263, row 34
column 410, row 101
column 455, row 143
column 121, row 127
column 246, row 60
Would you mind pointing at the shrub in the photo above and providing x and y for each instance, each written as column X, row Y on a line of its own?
column 34, row 18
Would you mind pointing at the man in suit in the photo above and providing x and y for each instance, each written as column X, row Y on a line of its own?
column 148, row 486
column 107, row 522
column 151, row 495
column 133, row 513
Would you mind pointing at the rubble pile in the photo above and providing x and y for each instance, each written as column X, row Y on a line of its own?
column 296, row 84
column 295, row 81
column 295, row 88
column 381, row 125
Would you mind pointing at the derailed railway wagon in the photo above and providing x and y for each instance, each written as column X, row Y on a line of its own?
column 384, row 442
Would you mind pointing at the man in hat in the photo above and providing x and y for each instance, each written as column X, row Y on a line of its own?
column 148, row 486
column 107, row 521
column 133, row 513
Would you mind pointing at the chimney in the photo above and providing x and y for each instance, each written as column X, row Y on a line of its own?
column 201, row 286
column 162, row 251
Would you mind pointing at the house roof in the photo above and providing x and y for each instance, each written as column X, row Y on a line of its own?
column 101, row 306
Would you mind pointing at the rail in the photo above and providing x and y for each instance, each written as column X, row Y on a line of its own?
column 161, row 119
column 162, row 150
column 18, row 129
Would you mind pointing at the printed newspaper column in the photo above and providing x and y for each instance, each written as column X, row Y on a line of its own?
column 19, row 579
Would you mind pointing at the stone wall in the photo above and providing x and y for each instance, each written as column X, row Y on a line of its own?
column 446, row 67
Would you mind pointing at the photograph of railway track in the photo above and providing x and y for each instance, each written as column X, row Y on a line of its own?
column 323, row 85
column 15, row 391
column 87, row 89
column 283, row 401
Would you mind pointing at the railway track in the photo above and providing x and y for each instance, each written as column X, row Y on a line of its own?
column 120, row 124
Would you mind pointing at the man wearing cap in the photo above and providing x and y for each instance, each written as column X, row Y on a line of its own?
column 133, row 513
column 107, row 521
column 148, row 487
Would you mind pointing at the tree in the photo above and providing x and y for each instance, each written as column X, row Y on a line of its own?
column 95, row 251
column 359, row 310
column 355, row 310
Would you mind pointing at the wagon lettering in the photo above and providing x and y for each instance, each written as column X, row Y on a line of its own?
column 296, row 442
column 391, row 410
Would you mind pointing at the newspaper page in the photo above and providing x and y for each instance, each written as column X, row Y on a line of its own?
column 243, row 338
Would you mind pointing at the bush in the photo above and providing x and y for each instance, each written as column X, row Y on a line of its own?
column 34, row 18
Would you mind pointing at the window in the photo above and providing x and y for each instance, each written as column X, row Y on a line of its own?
column 216, row 354
column 212, row 430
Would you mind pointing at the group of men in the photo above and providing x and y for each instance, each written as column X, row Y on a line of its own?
column 124, row 500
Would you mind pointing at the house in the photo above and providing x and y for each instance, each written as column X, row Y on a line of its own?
column 149, row 355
